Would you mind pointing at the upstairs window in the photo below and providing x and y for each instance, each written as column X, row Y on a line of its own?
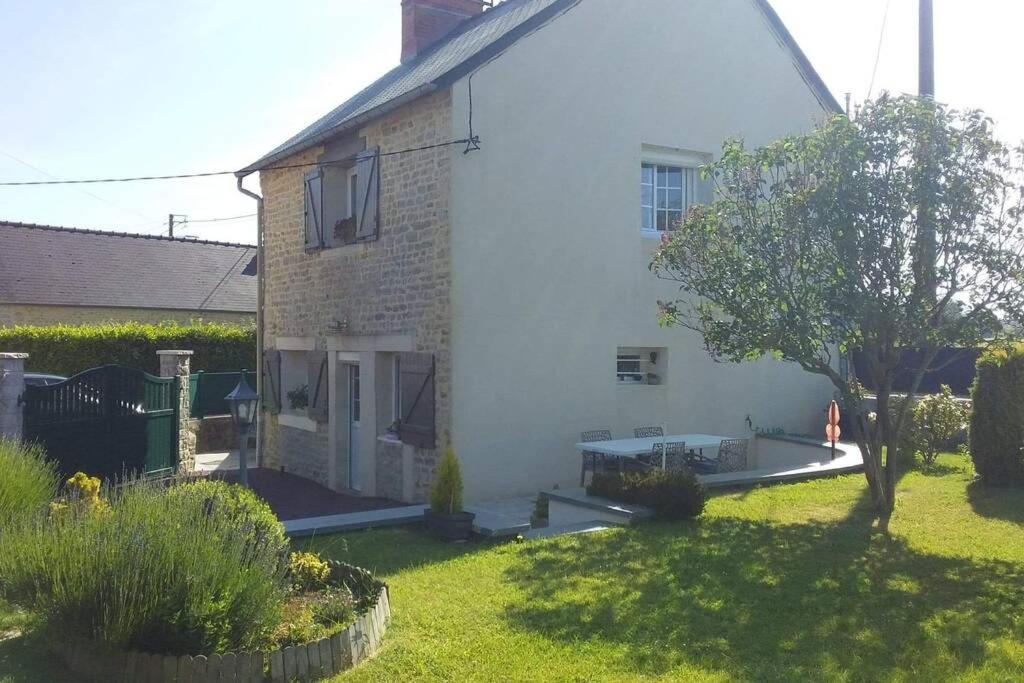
column 667, row 193
column 341, row 202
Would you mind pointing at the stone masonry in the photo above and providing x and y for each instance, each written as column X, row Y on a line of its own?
column 12, row 383
column 398, row 284
column 178, row 364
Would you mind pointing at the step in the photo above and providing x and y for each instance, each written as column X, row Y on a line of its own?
column 369, row 519
column 496, row 525
column 573, row 506
column 567, row 529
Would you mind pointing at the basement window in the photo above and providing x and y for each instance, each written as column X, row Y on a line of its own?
column 641, row 365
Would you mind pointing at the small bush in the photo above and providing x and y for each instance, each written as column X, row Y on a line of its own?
column 82, row 497
column 935, row 421
column 238, row 504
column 307, row 572
column 28, row 482
column 446, row 494
column 997, row 419
column 336, row 609
column 168, row 572
column 672, row 495
column 70, row 349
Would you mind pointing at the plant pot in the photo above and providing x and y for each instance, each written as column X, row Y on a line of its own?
column 457, row 527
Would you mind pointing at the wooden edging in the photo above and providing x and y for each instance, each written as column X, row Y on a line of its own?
column 308, row 662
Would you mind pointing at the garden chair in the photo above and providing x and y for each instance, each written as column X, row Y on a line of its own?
column 591, row 437
column 675, row 457
column 732, row 455
column 648, row 432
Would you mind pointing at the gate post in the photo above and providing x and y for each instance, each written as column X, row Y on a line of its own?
column 12, row 384
column 177, row 364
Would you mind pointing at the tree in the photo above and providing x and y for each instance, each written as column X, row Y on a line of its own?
column 898, row 231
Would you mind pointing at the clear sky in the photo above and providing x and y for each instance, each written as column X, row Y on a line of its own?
column 118, row 88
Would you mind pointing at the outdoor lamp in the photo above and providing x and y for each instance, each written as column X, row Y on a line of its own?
column 242, row 402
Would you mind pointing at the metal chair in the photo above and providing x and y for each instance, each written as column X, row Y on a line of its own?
column 732, row 455
column 675, row 457
column 591, row 437
column 648, row 432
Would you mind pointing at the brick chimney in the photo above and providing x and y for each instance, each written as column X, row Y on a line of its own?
column 424, row 22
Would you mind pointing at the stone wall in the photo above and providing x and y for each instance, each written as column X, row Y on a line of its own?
column 25, row 314
column 397, row 284
column 405, row 472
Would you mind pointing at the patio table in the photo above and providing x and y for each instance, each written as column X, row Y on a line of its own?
column 630, row 448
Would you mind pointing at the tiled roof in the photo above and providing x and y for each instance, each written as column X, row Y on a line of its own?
column 49, row 265
column 472, row 43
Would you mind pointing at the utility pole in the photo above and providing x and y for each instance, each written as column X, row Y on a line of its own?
column 926, row 67
column 175, row 218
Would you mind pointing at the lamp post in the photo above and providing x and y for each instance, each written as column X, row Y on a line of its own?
column 242, row 401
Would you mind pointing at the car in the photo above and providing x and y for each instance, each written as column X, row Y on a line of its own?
column 39, row 379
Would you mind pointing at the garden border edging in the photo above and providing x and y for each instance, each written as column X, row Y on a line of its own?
column 307, row 662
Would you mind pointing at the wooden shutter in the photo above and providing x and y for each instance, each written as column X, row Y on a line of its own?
column 416, row 375
column 316, row 369
column 368, row 194
column 314, row 188
column 272, row 381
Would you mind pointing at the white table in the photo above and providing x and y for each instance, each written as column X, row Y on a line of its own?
column 630, row 448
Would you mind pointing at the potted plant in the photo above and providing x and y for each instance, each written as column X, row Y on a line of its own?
column 445, row 517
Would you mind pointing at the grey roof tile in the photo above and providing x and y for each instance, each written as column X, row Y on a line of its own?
column 50, row 265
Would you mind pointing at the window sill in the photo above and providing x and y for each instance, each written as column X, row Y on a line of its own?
column 296, row 422
column 653, row 234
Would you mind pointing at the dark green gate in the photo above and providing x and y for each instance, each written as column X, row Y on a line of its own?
column 106, row 422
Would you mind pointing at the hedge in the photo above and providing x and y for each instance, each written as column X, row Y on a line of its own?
column 997, row 421
column 70, row 349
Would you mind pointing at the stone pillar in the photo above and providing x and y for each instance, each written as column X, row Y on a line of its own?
column 12, row 384
column 177, row 364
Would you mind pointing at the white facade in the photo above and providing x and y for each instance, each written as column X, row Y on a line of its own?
column 549, row 263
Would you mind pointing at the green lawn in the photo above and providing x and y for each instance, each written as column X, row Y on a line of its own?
column 786, row 582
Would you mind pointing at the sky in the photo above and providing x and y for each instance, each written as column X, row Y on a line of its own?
column 109, row 88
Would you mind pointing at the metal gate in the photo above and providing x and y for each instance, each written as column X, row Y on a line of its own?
column 107, row 422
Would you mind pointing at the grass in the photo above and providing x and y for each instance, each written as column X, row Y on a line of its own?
column 780, row 583
column 787, row 582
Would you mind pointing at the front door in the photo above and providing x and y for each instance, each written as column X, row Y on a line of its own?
column 353, row 428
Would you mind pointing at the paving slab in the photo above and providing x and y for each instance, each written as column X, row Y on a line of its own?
column 351, row 521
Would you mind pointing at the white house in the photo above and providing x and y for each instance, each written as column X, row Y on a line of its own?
column 499, row 301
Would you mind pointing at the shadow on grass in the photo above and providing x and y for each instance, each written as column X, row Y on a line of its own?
column 27, row 659
column 996, row 502
column 390, row 550
column 762, row 601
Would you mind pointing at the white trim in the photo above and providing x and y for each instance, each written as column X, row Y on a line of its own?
column 296, row 422
column 348, row 356
column 673, row 156
column 295, row 343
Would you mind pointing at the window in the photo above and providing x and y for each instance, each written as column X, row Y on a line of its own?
column 341, row 202
column 667, row 193
column 635, row 365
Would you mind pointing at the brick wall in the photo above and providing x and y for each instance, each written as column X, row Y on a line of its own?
column 398, row 284
column 26, row 314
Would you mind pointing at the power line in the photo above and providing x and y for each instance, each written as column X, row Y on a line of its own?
column 218, row 220
column 878, row 52
column 474, row 140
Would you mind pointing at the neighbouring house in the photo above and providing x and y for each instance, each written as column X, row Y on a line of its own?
column 423, row 295
column 51, row 275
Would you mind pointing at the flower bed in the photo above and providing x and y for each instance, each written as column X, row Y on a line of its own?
column 309, row 661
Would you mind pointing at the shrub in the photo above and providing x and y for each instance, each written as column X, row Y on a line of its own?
column 307, row 572
column 935, row 421
column 240, row 505
column 28, row 481
column 82, row 497
column 70, row 349
column 672, row 495
column 997, row 419
column 167, row 572
column 446, row 494
column 335, row 609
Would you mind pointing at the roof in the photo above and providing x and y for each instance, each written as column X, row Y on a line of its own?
column 57, row 266
column 473, row 42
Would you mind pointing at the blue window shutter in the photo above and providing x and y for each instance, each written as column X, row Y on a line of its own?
column 314, row 189
column 368, row 194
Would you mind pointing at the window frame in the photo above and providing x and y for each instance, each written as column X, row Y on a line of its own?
column 621, row 375
column 689, row 162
